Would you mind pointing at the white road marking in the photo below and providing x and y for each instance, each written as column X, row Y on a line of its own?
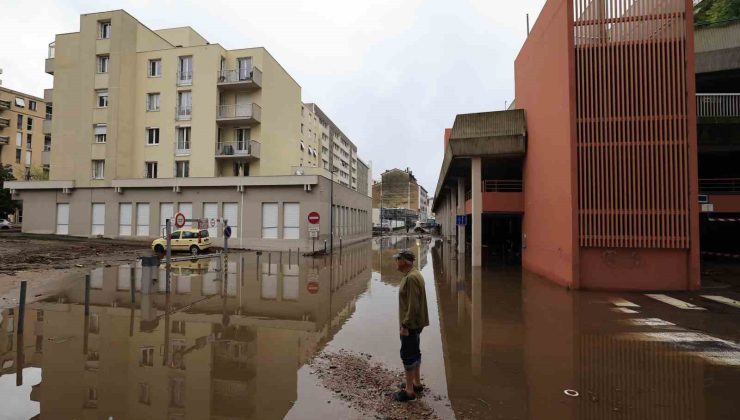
column 722, row 299
column 623, row 303
column 675, row 302
column 651, row 322
column 625, row 310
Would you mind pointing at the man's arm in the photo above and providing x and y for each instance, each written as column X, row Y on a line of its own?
column 413, row 303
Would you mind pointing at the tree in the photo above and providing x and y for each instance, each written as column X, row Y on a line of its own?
column 7, row 204
column 38, row 174
column 708, row 12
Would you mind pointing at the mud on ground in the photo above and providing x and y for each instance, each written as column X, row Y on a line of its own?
column 34, row 253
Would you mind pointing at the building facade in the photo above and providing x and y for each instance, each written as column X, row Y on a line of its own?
column 149, row 123
column 592, row 179
column 399, row 197
column 25, row 138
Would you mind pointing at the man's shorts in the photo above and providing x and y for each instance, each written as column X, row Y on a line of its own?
column 410, row 351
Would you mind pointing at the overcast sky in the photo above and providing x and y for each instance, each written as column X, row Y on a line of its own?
column 392, row 74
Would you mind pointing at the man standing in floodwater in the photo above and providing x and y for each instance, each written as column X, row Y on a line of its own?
column 413, row 317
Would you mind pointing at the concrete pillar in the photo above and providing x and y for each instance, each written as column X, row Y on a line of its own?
column 461, row 210
column 476, row 320
column 477, row 211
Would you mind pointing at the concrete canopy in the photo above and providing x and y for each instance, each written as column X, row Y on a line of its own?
column 483, row 134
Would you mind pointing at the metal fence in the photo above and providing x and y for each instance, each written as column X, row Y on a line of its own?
column 718, row 104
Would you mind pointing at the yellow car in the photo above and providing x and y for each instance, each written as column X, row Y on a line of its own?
column 192, row 240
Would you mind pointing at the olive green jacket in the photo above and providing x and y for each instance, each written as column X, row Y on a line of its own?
column 412, row 301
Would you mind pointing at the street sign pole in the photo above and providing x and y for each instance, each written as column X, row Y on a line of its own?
column 168, row 232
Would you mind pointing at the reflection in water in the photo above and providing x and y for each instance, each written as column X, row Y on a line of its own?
column 223, row 344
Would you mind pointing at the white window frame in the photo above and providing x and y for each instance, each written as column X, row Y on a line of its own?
column 150, row 133
column 270, row 228
column 62, row 219
column 28, row 158
column 153, row 102
column 20, row 102
column 231, row 214
column 157, row 62
column 98, row 164
column 147, row 168
column 146, row 356
column 31, row 105
column 125, row 219
column 100, row 133
column 98, row 225
column 184, row 137
column 142, row 219
column 291, row 220
column 185, row 73
column 102, row 64
column 104, row 29
column 101, row 98
column 185, row 173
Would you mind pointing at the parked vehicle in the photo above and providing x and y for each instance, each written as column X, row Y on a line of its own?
column 193, row 240
column 6, row 224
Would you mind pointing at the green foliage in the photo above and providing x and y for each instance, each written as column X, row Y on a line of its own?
column 7, row 204
column 38, row 174
column 708, row 12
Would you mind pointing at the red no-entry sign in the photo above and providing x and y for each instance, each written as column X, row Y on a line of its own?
column 314, row 218
column 313, row 287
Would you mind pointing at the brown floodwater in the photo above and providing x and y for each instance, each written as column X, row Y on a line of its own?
column 236, row 343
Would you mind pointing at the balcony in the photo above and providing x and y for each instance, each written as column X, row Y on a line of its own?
column 183, row 113
column 246, row 150
column 46, row 125
column 4, row 122
column 245, row 114
column 47, row 95
column 49, row 64
column 46, row 157
column 4, row 105
column 242, row 79
column 4, row 140
column 718, row 105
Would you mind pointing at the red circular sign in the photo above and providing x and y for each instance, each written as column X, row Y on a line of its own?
column 179, row 220
column 314, row 218
column 313, row 287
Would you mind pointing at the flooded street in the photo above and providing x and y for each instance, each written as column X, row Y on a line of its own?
column 238, row 343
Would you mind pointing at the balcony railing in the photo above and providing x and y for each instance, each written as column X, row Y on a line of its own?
column 718, row 104
column 240, row 77
column 240, row 112
column 46, row 157
column 238, row 149
column 184, row 78
column 183, row 112
column 4, row 122
column 5, row 104
column 719, row 185
column 497, row 185
column 4, row 140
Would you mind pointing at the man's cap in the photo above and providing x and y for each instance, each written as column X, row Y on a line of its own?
column 406, row 255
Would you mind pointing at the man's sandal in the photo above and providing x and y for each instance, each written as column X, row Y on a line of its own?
column 417, row 388
column 403, row 396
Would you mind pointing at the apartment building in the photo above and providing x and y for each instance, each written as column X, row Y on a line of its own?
column 25, row 136
column 399, row 197
column 151, row 122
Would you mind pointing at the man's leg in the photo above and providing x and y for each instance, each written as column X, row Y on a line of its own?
column 410, row 373
column 417, row 376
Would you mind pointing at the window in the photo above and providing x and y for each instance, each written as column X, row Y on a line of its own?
column 142, row 219
column 104, row 29
column 152, row 102
column 185, row 71
column 93, row 326
column 231, row 214
column 20, row 102
column 98, row 220
column 177, row 392
column 151, row 169
column 182, row 169
column 155, row 67
column 62, row 219
column 144, row 397
column 18, row 153
column 178, row 327
column 301, row 128
column 183, row 140
column 28, row 158
column 103, row 61
column 245, row 68
column 184, row 105
column 291, row 221
column 102, row 96
column 98, row 169
column 166, row 211
column 152, row 136
column 29, row 140
column 269, row 220
column 100, row 133
column 19, row 123
column 146, row 356
column 29, row 123
column 31, row 105
column 125, row 219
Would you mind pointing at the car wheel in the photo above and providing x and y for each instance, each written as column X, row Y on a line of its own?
column 159, row 249
column 194, row 250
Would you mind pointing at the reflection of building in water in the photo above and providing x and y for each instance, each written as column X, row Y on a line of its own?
column 570, row 342
column 385, row 247
column 226, row 348
column 32, row 340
